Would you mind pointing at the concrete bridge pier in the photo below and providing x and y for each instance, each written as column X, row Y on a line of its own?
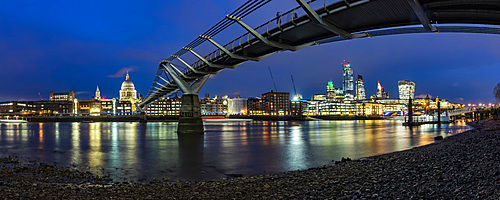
column 190, row 113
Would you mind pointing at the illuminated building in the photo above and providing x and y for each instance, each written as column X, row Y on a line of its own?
column 13, row 107
column 330, row 91
column 406, row 89
column 128, row 97
column 237, row 106
column 348, row 81
column 298, row 107
column 255, row 106
column 339, row 94
column 62, row 96
column 128, row 89
column 319, row 97
column 276, row 103
column 97, row 95
column 338, row 108
column 369, row 109
column 381, row 94
column 165, row 106
column 360, row 88
column 214, row 106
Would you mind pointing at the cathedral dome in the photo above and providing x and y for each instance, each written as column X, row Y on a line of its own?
column 128, row 89
column 128, row 85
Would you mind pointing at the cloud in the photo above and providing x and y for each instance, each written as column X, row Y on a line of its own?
column 422, row 96
column 455, row 84
column 82, row 92
column 460, row 99
column 121, row 73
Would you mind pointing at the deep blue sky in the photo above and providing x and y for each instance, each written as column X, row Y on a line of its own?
column 76, row 45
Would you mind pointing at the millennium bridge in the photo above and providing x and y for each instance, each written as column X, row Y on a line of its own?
column 309, row 23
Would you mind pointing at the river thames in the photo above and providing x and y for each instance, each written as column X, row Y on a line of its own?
column 131, row 151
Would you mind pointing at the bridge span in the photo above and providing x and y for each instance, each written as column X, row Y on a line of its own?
column 311, row 23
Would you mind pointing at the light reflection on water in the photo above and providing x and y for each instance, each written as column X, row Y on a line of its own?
column 129, row 151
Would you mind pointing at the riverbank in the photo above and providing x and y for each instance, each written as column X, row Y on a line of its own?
column 461, row 166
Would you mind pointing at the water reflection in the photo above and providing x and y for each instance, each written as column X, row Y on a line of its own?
column 133, row 150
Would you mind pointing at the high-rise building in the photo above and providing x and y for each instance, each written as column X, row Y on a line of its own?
column 330, row 91
column 406, row 89
column 381, row 94
column 360, row 88
column 348, row 81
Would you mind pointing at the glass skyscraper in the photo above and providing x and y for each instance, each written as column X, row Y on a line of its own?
column 406, row 89
column 360, row 88
column 348, row 81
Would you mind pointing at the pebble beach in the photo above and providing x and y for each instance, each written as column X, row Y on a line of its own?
column 463, row 166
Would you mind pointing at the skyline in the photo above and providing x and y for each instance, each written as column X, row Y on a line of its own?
column 62, row 46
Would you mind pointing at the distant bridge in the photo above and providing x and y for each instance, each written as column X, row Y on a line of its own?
column 312, row 23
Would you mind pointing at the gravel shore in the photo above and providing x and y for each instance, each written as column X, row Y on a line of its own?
column 464, row 166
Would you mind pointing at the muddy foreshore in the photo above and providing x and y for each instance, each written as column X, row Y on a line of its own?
column 464, row 166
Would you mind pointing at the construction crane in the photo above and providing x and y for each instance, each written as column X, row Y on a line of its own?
column 272, row 78
column 40, row 96
column 294, row 90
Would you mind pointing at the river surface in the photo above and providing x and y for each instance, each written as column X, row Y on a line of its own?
column 130, row 151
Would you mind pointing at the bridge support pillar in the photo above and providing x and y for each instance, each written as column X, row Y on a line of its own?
column 143, row 118
column 190, row 115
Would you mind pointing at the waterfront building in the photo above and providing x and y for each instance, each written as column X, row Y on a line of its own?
column 276, row 103
column 319, row 97
column 13, row 108
column 336, row 108
column 369, row 109
column 393, row 105
column 298, row 107
column 360, row 88
column 348, row 81
column 330, row 91
column 237, row 106
column 255, row 106
column 89, row 107
column 214, row 106
column 165, row 106
column 406, row 89
column 62, row 96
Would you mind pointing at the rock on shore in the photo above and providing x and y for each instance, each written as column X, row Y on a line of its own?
column 464, row 166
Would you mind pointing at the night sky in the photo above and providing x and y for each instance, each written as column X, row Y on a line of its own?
column 76, row 45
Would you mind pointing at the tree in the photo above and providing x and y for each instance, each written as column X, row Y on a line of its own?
column 496, row 92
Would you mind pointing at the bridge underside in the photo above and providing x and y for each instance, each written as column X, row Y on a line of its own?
column 316, row 23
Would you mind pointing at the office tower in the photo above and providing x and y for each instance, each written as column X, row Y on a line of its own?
column 348, row 81
column 330, row 91
column 406, row 89
column 360, row 88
